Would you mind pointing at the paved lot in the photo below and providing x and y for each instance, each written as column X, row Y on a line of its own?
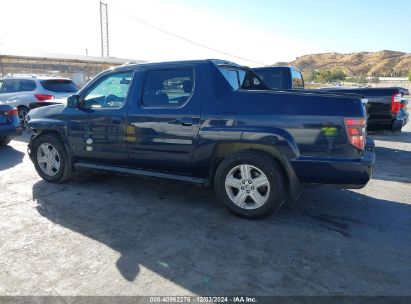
column 107, row 235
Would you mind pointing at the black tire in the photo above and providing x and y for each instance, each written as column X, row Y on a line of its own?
column 22, row 111
column 4, row 140
column 65, row 171
column 273, row 173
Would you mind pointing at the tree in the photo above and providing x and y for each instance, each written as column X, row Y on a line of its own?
column 409, row 75
column 337, row 75
column 324, row 75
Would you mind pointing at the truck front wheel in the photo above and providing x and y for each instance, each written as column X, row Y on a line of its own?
column 50, row 159
column 250, row 184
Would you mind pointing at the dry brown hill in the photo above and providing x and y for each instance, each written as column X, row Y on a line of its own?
column 383, row 63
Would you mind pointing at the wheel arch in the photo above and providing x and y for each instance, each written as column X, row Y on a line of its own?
column 224, row 150
column 54, row 132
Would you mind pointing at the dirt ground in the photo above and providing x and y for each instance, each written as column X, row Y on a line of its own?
column 104, row 234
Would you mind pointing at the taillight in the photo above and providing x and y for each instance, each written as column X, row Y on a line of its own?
column 356, row 131
column 396, row 103
column 43, row 97
column 11, row 112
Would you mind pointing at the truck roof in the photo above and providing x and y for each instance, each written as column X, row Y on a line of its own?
column 179, row 62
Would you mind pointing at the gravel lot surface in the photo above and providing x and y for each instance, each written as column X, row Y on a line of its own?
column 103, row 234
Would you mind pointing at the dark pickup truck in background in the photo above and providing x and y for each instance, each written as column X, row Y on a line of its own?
column 386, row 107
column 206, row 122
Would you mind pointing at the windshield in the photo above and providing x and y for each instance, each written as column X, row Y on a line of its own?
column 239, row 78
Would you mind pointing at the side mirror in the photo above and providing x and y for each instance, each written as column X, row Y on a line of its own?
column 73, row 101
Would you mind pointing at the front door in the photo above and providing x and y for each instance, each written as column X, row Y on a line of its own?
column 163, row 121
column 97, row 129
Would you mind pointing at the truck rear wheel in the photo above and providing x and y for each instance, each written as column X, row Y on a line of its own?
column 250, row 184
column 50, row 159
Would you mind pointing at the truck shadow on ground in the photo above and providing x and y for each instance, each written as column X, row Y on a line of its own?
column 10, row 157
column 330, row 240
column 24, row 138
column 392, row 165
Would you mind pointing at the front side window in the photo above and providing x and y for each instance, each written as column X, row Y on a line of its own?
column 1, row 86
column 168, row 88
column 109, row 92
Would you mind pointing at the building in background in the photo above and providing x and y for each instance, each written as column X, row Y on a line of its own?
column 79, row 68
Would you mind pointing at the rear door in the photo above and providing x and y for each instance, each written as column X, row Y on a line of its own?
column 164, row 119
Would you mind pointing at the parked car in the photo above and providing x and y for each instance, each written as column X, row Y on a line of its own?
column 9, row 124
column 20, row 92
column 384, row 107
column 205, row 122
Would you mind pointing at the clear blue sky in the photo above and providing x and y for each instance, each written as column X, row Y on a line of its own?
column 342, row 26
column 261, row 31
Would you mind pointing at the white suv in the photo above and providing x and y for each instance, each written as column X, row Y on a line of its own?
column 20, row 92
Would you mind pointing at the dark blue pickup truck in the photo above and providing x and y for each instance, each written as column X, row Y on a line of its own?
column 205, row 122
column 386, row 107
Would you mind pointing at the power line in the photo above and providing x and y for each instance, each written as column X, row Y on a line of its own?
column 183, row 38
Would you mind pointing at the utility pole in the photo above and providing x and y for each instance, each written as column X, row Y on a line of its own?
column 104, row 30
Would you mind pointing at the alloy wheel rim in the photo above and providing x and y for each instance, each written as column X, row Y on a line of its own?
column 48, row 159
column 247, row 186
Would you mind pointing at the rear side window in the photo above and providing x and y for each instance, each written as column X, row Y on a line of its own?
column 1, row 86
column 241, row 79
column 27, row 85
column 18, row 85
column 297, row 79
column 168, row 88
column 59, row 85
column 232, row 77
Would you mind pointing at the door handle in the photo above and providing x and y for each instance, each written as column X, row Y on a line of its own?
column 186, row 122
column 116, row 121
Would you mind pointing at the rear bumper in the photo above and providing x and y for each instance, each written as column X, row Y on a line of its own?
column 388, row 125
column 404, row 115
column 397, row 124
column 338, row 173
